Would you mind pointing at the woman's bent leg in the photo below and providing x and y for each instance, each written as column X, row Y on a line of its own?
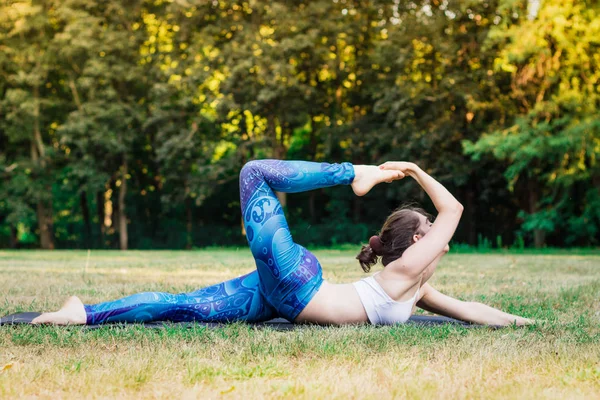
column 290, row 275
column 236, row 300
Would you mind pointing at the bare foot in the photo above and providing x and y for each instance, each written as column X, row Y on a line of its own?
column 367, row 176
column 71, row 313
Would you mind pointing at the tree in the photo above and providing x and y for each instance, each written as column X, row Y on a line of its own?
column 99, row 46
column 552, row 140
column 30, row 97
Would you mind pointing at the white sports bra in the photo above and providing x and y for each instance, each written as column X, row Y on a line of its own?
column 380, row 307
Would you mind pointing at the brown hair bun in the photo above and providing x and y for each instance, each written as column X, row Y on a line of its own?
column 376, row 245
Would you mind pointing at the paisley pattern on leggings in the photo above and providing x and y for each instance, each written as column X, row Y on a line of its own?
column 290, row 275
column 233, row 300
column 287, row 275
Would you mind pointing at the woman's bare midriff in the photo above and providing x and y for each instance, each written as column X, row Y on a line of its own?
column 334, row 304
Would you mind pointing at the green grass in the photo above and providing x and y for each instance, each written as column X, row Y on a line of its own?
column 559, row 358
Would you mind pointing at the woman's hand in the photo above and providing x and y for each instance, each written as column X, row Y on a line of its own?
column 403, row 166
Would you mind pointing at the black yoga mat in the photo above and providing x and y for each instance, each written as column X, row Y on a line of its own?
column 279, row 324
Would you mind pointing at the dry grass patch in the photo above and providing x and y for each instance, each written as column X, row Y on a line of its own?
column 559, row 358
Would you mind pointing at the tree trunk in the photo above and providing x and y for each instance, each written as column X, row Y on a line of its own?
column 111, row 204
column 44, row 215
column 85, row 212
column 100, row 214
column 188, row 225
column 539, row 238
column 14, row 240
column 123, row 239
column 38, row 156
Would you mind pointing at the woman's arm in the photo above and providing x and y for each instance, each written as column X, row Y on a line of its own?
column 418, row 256
column 442, row 199
column 436, row 302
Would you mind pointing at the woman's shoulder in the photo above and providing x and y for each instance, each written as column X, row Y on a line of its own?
column 397, row 283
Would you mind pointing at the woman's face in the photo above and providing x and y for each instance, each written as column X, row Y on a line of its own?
column 424, row 224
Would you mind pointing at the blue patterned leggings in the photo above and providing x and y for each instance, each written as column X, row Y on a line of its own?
column 287, row 275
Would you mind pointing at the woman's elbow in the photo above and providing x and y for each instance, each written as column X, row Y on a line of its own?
column 458, row 207
column 455, row 208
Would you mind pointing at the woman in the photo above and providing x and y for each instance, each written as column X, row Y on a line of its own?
column 288, row 281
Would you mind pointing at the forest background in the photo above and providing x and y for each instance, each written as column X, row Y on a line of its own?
column 124, row 124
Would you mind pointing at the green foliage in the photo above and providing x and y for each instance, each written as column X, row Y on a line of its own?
column 125, row 124
column 552, row 140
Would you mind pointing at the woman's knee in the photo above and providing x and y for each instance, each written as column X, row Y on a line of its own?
column 250, row 168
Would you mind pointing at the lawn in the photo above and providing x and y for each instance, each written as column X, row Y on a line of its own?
column 558, row 358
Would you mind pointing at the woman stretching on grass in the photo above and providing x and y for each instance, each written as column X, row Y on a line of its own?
column 288, row 281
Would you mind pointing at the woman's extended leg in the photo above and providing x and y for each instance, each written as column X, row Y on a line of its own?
column 290, row 275
column 238, row 299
